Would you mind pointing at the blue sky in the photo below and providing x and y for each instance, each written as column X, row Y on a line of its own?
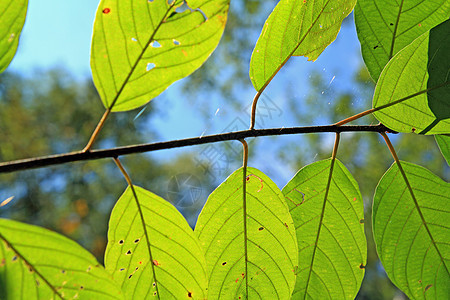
column 58, row 34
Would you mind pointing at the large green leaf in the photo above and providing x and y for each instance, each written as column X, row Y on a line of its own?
column 152, row 252
column 36, row 263
column 139, row 48
column 411, row 230
column 413, row 92
column 248, row 239
column 296, row 28
column 328, row 212
column 386, row 27
column 443, row 142
column 13, row 13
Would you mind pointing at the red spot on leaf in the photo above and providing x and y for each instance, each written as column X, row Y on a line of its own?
column 106, row 10
column 156, row 263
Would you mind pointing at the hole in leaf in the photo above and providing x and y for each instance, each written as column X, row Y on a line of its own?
column 170, row 2
column 176, row 43
column 121, row 242
column 320, row 26
column 154, row 294
column 375, row 47
column 122, row 269
column 392, row 24
column 224, row 263
column 261, row 228
column 81, row 287
column 136, row 268
column 134, row 39
column 128, row 252
column 89, row 269
column 131, row 275
column 106, row 11
column 156, row 44
column 154, row 284
column 63, row 271
column 361, row 266
column 189, row 294
column 150, row 66
column 14, row 258
column 136, row 241
column 361, row 221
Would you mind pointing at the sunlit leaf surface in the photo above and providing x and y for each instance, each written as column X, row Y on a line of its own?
column 12, row 18
column 152, row 252
column 413, row 92
column 296, row 28
column 444, row 145
column 411, row 231
column 249, row 242
column 36, row 263
column 328, row 212
column 139, row 48
column 386, row 27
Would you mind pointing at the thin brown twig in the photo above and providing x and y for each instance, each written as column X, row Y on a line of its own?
column 45, row 161
column 97, row 131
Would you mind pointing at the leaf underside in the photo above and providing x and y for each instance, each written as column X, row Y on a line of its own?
column 329, row 221
column 152, row 252
column 443, row 142
column 413, row 92
column 296, row 28
column 36, row 263
column 13, row 13
column 386, row 27
column 249, row 242
column 411, row 231
column 139, row 48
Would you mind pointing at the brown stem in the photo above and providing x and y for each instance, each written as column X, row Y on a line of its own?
column 97, row 131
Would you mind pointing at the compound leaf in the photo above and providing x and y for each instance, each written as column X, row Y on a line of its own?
column 410, row 226
column 13, row 13
column 386, row 27
column 328, row 212
column 152, row 252
column 248, row 239
column 443, row 142
column 413, row 92
column 296, row 28
column 36, row 263
column 139, row 48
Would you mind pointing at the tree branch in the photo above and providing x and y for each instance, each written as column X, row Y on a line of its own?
column 45, row 161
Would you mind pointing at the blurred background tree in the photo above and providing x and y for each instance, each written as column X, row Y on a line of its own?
column 54, row 112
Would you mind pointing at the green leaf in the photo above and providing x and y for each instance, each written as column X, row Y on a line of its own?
column 328, row 212
column 139, row 48
column 413, row 92
column 13, row 13
column 152, row 252
column 411, row 231
column 295, row 28
column 386, row 27
column 443, row 142
column 36, row 263
column 248, row 239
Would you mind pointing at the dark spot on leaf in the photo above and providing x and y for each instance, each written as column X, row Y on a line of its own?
column 121, row 269
column 121, row 242
column 154, row 294
column 285, row 224
column 14, row 258
column 361, row 266
column 224, row 263
column 89, row 269
column 63, row 271
column 361, row 221
column 106, row 10
column 189, row 294
column 128, row 252
column 81, row 287
column 156, row 263
column 248, row 178
column 136, row 268
column 30, row 269
column 392, row 24
column 37, row 282
column 137, row 240
column 375, row 47
column 154, row 283
column 131, row 275
column 428, row 287
column 413, row 129
column 261, row 228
